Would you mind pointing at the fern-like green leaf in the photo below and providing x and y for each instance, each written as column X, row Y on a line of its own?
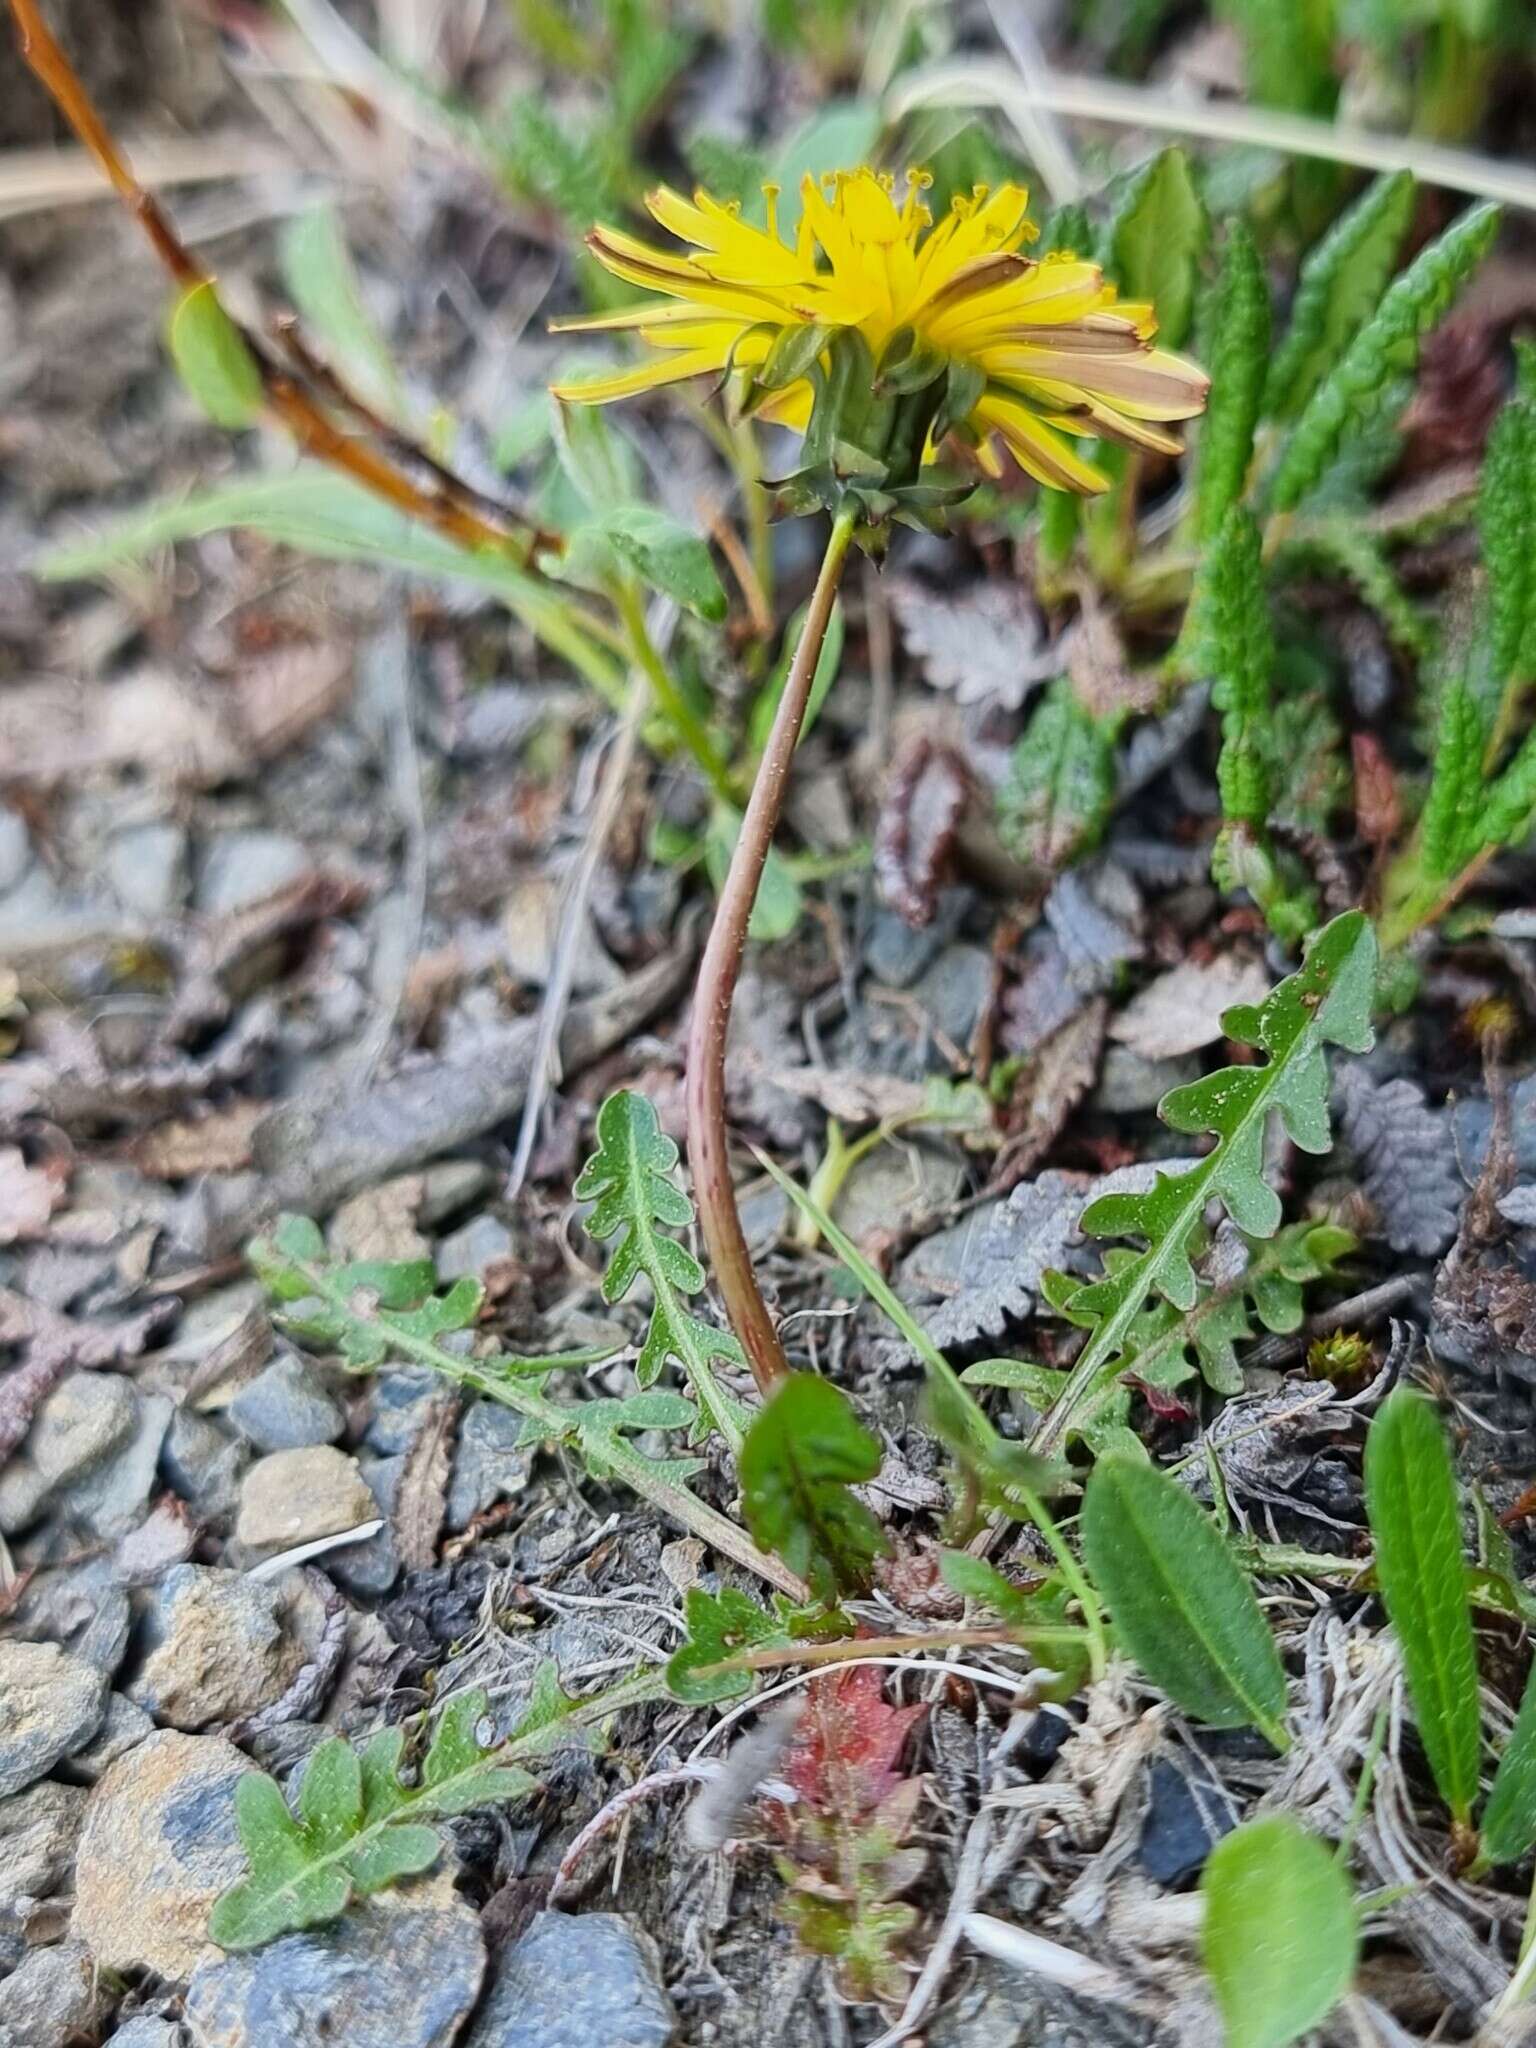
column 1453, row 820
column 358, row 1826
column 631, row 1181
column 1239, row 362
column 723, row 1625
column 1327, row 1002
column 1507, row 519
column 1341, row 281
column 1512, row 798
column 1359, row 387
column 1341, row 546
column 1243, row 656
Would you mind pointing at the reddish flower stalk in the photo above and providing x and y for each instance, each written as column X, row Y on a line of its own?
column 708, row 1145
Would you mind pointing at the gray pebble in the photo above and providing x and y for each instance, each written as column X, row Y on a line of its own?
column 218, row 1648
column 243, row 867
column 400, row 1971
column 574, row 1980
column 125, row 1726
column 286, row 1407
column 86, row 1417
column 112, row 1499
column 146, row 866
column 467, row 1251
column 204, row 1463
column 370, row 1569
column 51, row 1705
column 51, row 2000
column 488, row 1466
column 38, row 1830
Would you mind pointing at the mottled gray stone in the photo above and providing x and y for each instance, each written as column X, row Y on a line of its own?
column 467, row 1251
column 400, row 1971
column 86, row 1417
column 243, row 867
column 51, row 1704
column 112, row 1499
column 400, row 1402
column 286, row 1407
column 370, row 1569
column 158, row 1847
column 219, row 1648
column 148, row 2030
column 51, row 2000
column 487, row 1463
column 147, row 868
column 573, row 1981
column 125, row 1725
column 1002, row 2008
column 38, row 1830
column 1129, row 1082
column 204, row 1463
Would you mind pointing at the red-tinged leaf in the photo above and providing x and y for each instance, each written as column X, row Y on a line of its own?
column 847, row 1750
column 1378, row 807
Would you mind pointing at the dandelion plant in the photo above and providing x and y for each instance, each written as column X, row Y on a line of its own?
column 879, row 335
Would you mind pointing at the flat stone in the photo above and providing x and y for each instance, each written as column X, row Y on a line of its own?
column 38, row 1831
column 1187, row 1815
column 51, row 2000
column 400, row 1401
column 370, row 1569
column 488, row 1466
column 158, row 1847
column 15, row 848
column 575, row 1980
column 148, row 2030
column 1129, row 1082
column 244, row 867
column 204, row 1463
column 113, row 1498
column 1003, row 2008
column 146, row 868
column 125, row 1726
column 895, row 1182
column 296, row 1497
column 286, row 1407
column 51, row 1704
column 467, row 1251
column 219, row 1648
column 402, row 1970
column 86, row 1417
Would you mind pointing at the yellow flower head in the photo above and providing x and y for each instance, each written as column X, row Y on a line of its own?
column 1042, row 349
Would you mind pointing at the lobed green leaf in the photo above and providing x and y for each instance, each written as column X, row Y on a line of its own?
column 801, row 1459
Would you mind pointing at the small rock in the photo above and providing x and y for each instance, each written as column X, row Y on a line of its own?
column 112, row 1499
column 294, row 1497
column 286, row 1407
column 1003, row 2008
column 488, row 1465
column 896, row 952
column 1129, row 1082
column 38, row 1829
column 86, row 1417
column 158, row 1847
column 574, row 1980
column 243, row 867
column 50, row 1706
column 400, row 1401
column 146, row 868
column 51, row 2000
column 369, row 1569
column 124, row 1727
column 219, row 1648
column 898, row 1181
column 381, row 1222
column 15, row 847
column 147, row 2030
column 204, row 1463
column 1187, row 1815
column 400, row 1971
column 470, row 1249
column 104, row 1639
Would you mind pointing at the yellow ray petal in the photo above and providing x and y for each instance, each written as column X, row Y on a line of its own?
column 1037, row 449
column 694, row 362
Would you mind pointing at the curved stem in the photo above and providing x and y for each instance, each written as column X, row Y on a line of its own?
column 708, row 1153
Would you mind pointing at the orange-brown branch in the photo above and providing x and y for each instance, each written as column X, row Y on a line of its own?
column 454, row 508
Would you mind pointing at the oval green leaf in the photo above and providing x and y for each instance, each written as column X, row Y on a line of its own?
column 214, row 359
column 1509, row 1823
column 1280, row 1934
column 1181, row 1605
column 1415, row 1517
